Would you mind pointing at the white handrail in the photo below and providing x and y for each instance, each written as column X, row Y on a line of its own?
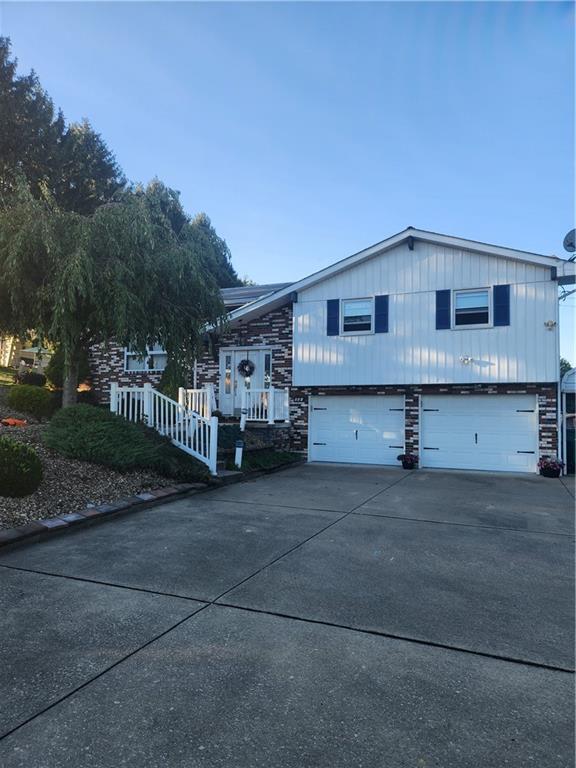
column 268, row 405
column 197, row 400
column 189, row 430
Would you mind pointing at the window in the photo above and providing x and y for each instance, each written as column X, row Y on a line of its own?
column 472, row 307
column 227, row 374
column 267, row 370
column 154, row 359
column 357, row 316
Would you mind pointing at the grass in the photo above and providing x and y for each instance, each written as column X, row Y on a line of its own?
column 265, row 459
column 7, row 376
column 93, row 434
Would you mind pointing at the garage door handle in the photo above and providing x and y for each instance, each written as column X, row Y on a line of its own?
column 318, row 443
column 356, row 433
column 476, row 437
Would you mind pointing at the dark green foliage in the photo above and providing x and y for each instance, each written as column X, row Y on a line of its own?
column 55, row 368
column 34, row 378
column 265, row 459
column 564, row 366
column 94, row 434
column 175, row 375
column 36, row 401
column 72, row 163
column 216, row 253
column 20, row 468
column 228, row 434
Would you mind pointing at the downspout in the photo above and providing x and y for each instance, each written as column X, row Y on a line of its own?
column 559, row 412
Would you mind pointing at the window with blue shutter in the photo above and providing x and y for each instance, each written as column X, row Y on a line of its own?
column 501, row 301
column 381, row 314
column 443, row 310
column 333, row 317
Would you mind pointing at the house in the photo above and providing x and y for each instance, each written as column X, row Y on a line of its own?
column 423, row 343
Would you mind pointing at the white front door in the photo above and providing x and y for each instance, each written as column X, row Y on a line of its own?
column 233, row 383
column 494, row 432
column 356, row 430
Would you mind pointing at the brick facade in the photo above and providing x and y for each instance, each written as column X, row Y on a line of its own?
column 271, row 330
column 275, row 330
column 107, row 365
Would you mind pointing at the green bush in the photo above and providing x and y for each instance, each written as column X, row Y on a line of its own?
column 20, row 468
column 55, row 369
column 90, row 433
column 265, row 459
column 34, row 378
column 35, row 401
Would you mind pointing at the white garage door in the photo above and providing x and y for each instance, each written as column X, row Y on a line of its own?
column 356, row 430
column 496, row 432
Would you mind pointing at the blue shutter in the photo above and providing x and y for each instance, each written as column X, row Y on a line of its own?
column 443, row 310
column 381, row 314
column 333, row 317
column 501, row 300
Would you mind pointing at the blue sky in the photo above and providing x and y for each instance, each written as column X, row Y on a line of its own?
column 308, row 131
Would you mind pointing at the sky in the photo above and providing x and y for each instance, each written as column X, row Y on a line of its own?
column 308, row 131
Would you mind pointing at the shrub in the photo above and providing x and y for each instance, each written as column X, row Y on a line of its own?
column 55, row 369
column 36, row 401
column 20, row 468
column 33, row 378
column 268, row 458
column 90, row 433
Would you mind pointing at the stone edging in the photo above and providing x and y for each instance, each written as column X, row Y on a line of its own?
column 38, row 530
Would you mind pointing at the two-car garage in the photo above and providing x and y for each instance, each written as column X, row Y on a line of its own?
column 486, row 432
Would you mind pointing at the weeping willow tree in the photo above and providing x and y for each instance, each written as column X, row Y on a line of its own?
column 135, row 270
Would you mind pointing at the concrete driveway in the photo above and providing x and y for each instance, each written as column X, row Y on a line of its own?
column 324, row 616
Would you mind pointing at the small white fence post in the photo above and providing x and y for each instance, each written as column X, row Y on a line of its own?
column 213, row 457
column 114, row 397
column 271, row 405
column 182, row 397
column 243, row 411
column 147, row 405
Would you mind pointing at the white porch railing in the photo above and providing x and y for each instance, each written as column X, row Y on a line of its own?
column 268, row 405
column 190, row 431
column 202, row 401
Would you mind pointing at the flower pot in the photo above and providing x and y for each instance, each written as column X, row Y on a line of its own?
column 408, row 465
column 549, row 472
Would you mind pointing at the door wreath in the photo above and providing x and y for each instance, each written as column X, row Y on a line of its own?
column 246, row 367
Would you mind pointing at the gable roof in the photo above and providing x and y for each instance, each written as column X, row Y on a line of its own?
column 243, row 294
column 281, row 296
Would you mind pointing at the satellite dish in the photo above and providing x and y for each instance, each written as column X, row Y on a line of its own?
column 570, row 241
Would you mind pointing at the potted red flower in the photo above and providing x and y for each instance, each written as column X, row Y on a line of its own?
column 550, row 467
column 409, row 461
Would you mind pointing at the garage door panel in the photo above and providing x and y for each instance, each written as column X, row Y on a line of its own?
column 495, row 432
column 358, row 430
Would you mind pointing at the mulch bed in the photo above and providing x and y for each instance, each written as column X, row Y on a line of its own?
column 68, row 485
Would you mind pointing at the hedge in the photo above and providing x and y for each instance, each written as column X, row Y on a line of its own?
column 20, row 468
column 35, row 401
column 90, row 433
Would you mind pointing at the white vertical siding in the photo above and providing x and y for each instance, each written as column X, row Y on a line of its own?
column 413, row 351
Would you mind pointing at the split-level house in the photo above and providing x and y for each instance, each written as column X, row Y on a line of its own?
column 423, row 343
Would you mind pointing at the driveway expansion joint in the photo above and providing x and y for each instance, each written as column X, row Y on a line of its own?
column 401, row 638
column 465, row 525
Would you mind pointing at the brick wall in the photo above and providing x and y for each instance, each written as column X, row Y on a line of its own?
column 107, row 365
column 271, row 330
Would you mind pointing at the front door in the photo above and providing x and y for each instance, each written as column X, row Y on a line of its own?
column 233, row 383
